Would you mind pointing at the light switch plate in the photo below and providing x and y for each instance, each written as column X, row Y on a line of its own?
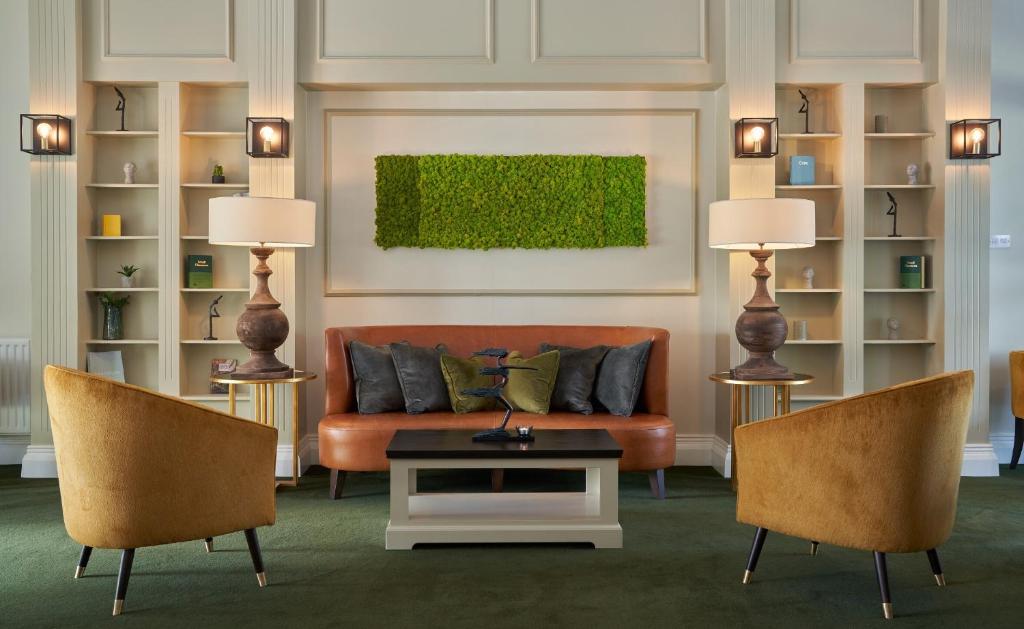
column 999, row 241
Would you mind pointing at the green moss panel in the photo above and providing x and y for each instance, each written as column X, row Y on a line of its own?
column 502, row 201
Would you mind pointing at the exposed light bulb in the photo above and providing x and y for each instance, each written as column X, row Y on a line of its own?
column 267, row 133
column 977, row 135
column 44, row 129
column 757, row 134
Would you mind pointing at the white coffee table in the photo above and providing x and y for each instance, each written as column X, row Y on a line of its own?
column 591, row 516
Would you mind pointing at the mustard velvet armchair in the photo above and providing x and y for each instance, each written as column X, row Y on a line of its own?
column 878, row 472
column 139, row 469
column 1017, row 399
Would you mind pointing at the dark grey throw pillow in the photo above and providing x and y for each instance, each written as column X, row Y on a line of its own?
column 577, row 371
column 377, row 387
column 421, row 379
column 621, row 377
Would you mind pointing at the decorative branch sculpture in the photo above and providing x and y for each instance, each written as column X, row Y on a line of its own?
column 212, row 314
column 805, row 109
column 892, row 211
column 120, row 106
column 523, row 433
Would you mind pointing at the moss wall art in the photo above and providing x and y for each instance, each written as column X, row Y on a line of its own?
column 511, row 201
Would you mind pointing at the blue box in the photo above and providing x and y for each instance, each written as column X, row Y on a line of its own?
column 801, row 170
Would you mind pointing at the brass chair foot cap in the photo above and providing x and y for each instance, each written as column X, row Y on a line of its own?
column 887, row 610
column 940, row 580
column 79, row 571
column 814, row 549
column 118, row 606
column 747, row 576
column 209, row 546
column 261, row 578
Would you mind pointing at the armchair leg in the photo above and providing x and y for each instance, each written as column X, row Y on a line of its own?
column 1018, row 441
column 127, row 556
column 498, row 480
column 882, row 571
column 83, row 561
column 933, row 559
column 755, row 552
column 814, row 549
column 257, row 556
column 337, row 483
column 657, row 480
column 208, row 544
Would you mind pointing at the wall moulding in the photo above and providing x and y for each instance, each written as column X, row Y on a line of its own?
column 222, row 51
column 325, row 42
column 839, row 38
column 688, row 52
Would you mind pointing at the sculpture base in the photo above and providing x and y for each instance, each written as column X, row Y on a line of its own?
column 761, row 368
column 262, row 366
column 500, row 436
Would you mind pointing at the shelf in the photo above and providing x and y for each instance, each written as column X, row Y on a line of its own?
column 122, row 238
column 122, row 290
column 809, row 136
column 899, row 290
column 817, row 186
column 122, row 185
column 226, row 186
column 195, row 237
column 898, row 238
column 123, row 342
column 828, row 238
column 808, row 290
column 899, row 135
column 899, row 342
column 214, row 342
column 813, row 342
column 124, row 134
column 899, row 186
column 214, row 134
column 215, row 290
column 815, row 398
column 214, row 397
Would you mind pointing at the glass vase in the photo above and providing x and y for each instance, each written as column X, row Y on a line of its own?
column 113, row 323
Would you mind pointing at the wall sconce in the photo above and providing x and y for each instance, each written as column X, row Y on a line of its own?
column 975, row 138
column 266, row 137
column 757, row 137
column 45, row 134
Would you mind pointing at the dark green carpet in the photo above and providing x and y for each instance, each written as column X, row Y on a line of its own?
column 681, row 567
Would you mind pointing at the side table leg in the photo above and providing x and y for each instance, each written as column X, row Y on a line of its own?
column 735, row 395
column 231, row 398
column 295, row 433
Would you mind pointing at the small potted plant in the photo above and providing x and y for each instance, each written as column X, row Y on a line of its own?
column 128, row 275
column 113, row 321
column 218, row 174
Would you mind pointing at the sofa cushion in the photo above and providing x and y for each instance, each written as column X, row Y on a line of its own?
column 419, row 375
column 530, row 389
column 577, row 371
column 376, row 381
column 621, row 377
column 461, row 374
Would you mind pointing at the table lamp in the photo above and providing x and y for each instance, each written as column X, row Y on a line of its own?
column 262, row 224
column 761, row 226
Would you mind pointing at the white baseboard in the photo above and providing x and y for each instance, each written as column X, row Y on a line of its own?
column 693, row 449
column 308, row 455
column 980, row 460
column 39, row 462
column 1002, row 443
column 12, row 449
column 721, row 456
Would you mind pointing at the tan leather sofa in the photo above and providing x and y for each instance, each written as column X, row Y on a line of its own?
column 878, row 472
column 138, row 469
column 350, row 442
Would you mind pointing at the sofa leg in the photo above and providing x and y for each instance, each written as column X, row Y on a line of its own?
column 755, row 553
column 208, row 544
column 83, row 561
column 1018, row 441
column 933, row 559
column 498, row 480
column 882, row 571
column 257, row 556
column 657, row 480
column 814, row 548
column 337, row 483
column 127, row 556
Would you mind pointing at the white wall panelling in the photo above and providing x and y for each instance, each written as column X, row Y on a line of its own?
column 15, row 386
column 170, row 254
column 150, row 29
column 838, row 30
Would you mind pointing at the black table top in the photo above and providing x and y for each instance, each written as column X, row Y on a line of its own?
column 548, row 444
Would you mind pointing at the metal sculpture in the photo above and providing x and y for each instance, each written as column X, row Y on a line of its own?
column 805, row 109
column 212, row 314
column 120, row 106
column 522, row 433
column 892, row 211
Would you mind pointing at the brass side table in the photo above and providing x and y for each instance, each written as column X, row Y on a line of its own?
column 739, row 395
column 263, row 412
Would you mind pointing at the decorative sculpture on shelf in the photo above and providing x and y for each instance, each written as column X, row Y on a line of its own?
column 893, row 324
column 212, row 314
column 120, row 106
column 522, row 433
column 808, row 275
column 805, row 109
column 892, row 211
column 129, row 172
column 912, row 171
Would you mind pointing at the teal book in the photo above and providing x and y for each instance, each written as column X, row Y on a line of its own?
column 912, row 272
column 199, row 271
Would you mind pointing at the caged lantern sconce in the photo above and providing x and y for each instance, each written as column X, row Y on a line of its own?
column 975, row 138
column 757, row 137
column 266, row 137
column 45, row 134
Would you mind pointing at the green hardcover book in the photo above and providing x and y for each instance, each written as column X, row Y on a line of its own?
column 912, row 272
column 199, row 271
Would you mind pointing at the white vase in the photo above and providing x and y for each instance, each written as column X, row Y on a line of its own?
column 128, row 281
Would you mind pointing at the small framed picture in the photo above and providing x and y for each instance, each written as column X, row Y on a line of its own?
column 221, row 367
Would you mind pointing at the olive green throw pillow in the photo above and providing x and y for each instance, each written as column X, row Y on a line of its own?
column 530, row 391
column 461, row 374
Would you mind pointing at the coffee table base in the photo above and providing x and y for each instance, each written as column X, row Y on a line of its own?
column 526, row 517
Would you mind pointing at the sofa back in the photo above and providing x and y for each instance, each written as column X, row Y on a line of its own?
column 463, row 340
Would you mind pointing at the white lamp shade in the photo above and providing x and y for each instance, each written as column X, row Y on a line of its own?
column 255, row 221
column 748, row 224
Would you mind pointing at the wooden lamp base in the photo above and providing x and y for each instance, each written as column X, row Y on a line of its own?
column 761, row 329
column 263, row 327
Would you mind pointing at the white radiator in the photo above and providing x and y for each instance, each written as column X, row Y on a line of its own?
column 15, row 390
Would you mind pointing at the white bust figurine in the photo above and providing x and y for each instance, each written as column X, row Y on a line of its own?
column 808, row 275
column 894, row 328
column 912, row 174
column 129, row 172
